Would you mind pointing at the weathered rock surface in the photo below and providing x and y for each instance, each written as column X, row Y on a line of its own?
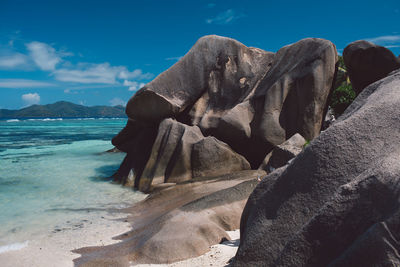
column 283, row 153
column 212, row 157
column 136, row 139
column 170, row 157
column 215, row 75
column 291, row 98
column 181, row 152
column 367, row 63
column 248, row 98
column 179, row 222
column 337, row 203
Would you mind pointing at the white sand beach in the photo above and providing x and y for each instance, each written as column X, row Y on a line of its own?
column 54, row 249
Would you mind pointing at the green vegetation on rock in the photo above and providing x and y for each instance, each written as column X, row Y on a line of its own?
column 342, row 97
column 343, row 93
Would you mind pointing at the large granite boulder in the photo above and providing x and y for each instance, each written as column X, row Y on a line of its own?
column 292, row 97
column 181, row 152
column 249, row 99
column 337, row 203
column 367, row 63
column 214, row 76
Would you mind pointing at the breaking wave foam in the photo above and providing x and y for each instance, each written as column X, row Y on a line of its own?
column 13, row 247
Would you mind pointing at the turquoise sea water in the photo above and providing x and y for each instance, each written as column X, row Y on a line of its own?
column 54, row 170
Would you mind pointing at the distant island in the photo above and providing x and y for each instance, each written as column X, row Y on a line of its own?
column 63, row 109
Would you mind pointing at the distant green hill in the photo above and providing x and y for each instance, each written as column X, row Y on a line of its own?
column 63, row 109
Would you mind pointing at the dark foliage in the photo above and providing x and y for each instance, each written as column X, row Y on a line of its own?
column 343, row 94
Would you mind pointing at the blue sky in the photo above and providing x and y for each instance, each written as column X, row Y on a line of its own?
column 101, row 52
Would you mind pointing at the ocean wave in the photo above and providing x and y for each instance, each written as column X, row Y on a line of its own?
column 83, row 119
column 13, row 120
column 46, row 119
column 57, row 119
column 13, row 247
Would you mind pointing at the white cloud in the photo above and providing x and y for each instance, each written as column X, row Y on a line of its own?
column 174, row 58
column 30, row 98
column 392, row 46
column 44, row 56
column 133, row 86
column 116, row 101
column 136, row 74
column 88, row 73
column 226, row 17
column 13, row 61
column 23, row 83
column 98, row 73
column 90, row 86
column 386, row 40
column 50, row 60
column 69, row 91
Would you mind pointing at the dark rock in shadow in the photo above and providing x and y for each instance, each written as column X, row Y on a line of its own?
column 337, row 203
column 367, row 63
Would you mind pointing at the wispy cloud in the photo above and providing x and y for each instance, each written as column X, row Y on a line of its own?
column 226, row 17
column 98, row 73
column 174, row 58
column 136, row 74
column 392, row 46
column 88, row 73
column 133, row 86
column 211, row 5
column 51, row 60
column 88, row 86
column 23, row 83
column 388, row 41
column 30, row 98
column 71, row 91
column 14, row 61
column 44, row 56
column 116, row 101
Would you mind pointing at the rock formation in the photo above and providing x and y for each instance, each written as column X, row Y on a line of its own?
column 367, row 63
column 181, row 152
column 221, row 102
column 195, row 131
column 337, row 203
